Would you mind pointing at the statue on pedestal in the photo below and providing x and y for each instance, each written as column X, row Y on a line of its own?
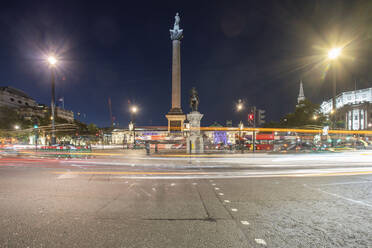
column 195, row 143
column 194, row 99
column 176, row 32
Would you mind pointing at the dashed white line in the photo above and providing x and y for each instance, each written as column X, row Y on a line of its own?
column 227, row 201
column 244, row 222
column 217, row 188
column 341, row 197
column 260, row 241
column 221, row 193
column 173, row 184
column 213, row 184
column 194, row 183
column 234, row 209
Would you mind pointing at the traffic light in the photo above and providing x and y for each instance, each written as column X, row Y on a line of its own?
column 251, row 117
column 261, row 117
column 36, row 126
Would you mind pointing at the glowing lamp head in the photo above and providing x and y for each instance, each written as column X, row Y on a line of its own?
column 334, row 53
column 16, row 127
column 134, row 109
column 239, row 107
column 52, row 60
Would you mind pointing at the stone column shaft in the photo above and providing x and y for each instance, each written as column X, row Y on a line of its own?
column 176, row 75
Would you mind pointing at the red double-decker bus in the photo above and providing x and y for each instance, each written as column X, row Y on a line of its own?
column 264, row 141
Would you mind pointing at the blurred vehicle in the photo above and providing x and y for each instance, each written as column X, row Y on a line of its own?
column 9, row 150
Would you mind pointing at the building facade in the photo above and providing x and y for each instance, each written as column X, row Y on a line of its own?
column 15, row 98
column 352, row 107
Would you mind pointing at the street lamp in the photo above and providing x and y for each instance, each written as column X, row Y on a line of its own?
column 333, row 54
column 241, row 126
column 16, row 127
column 132, row 127
column 239, row 105
column 187, row 131
column 52, row 61
column 134, row 109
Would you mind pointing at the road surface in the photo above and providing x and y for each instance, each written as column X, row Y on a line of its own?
column 121, row 200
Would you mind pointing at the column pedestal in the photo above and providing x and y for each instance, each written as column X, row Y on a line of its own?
column 195, row 142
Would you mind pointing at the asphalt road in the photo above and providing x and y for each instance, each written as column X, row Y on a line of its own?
column 116, row 200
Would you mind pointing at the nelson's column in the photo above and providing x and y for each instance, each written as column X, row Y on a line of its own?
column 175, row 116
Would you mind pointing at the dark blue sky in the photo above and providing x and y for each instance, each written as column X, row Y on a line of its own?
column 253, row 50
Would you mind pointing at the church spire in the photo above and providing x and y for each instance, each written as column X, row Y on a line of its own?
column 301, row 95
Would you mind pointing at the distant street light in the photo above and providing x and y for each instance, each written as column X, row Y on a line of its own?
column 241, row 126
column 239, row 105
column 134, row 109
column 52, row 61
column 16, row 127
column 132, row 125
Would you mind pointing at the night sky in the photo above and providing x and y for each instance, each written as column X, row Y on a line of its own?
column 251, row 50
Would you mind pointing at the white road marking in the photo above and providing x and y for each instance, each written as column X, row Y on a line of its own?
column 217, row 188
column 173, row 184
column 341, row 197
column 194, row 183
column 213, row 184
column 227, row 201
column 234, row 209
column 244, row 222
column 330, row 184
column 66, row 176
column 260, row 241
column 221, row 193
column 153, row 189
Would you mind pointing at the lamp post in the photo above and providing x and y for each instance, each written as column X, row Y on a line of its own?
column 241, row 126
column 187, row 132
column 240, row 107
column 333, row 54
column 52, row 63
column 132, row 126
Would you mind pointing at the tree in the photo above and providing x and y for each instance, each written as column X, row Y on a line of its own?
column 92, row 128
column 306, row 114
column 9, row 117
